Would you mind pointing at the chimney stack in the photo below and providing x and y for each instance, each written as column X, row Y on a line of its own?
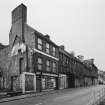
column 19, row 18
column 62, row 47
column 19, row 13
column 47, row 36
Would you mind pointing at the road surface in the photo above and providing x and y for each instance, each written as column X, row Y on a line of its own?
column 77, row 96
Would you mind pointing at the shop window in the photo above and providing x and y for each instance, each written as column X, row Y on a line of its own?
column 39, row 44
column 47, row 65
column 48, row 83
column 54, row 51
column 47, row 48
column 54, row 67
column 40, row 63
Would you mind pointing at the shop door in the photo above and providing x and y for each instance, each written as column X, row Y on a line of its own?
column 38, row 84
column 12, row 83
column 57, row 83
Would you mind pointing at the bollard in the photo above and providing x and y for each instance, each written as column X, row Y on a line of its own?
column 98, row 100
column 102, row 93
column 93, row 100
column 94, row 97
column 97, row 96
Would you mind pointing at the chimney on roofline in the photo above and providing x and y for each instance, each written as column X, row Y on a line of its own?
column 62, row 47
column 19, row 13
column 47, row 36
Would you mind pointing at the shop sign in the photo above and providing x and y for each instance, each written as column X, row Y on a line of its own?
column 62, row 75
column 39, row 73
column 47, row 74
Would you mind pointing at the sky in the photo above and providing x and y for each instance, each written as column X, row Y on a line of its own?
column 79, row 25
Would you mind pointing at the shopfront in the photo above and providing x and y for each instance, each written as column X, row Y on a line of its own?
column 48, row 81
column 28, row 82
column 63, row 81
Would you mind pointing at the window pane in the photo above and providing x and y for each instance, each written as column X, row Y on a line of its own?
column 39, row 60
column 47, row 68
column 47, row 63
column 39, row 67
column 39, row 41
column 54, row 70
column 47, row 48
column 54, row 51
column 40, row 47
column 40, row 63
column 47, row 45
column 54, row 67
column 39, row 44
column 54, row 64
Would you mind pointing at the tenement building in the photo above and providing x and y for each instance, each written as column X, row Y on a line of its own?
column 32, row 54
column 33, row 62
column 74, row 72
column 66, row 69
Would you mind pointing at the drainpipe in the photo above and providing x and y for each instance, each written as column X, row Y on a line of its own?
column 27, row 59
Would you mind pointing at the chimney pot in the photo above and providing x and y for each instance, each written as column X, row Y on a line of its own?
column 18, row 13
column 62, row 47
column 47, row 36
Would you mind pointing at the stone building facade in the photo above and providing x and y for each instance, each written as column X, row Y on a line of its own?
column 4, row 62
column 31, row 52
column 75, row 73
column 33, row 62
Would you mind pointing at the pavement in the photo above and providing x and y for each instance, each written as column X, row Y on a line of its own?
column 103, row 102
column 3, row 94
column 5, row 98
column 75, row 96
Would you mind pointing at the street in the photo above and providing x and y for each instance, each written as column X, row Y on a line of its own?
column 77, row 96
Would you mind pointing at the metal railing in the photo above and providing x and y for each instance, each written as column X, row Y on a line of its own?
column 97, row 96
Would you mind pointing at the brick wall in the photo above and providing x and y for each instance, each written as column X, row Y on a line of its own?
column 4, row 64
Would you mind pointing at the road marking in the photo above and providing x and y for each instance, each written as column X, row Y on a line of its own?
column 38, row 104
